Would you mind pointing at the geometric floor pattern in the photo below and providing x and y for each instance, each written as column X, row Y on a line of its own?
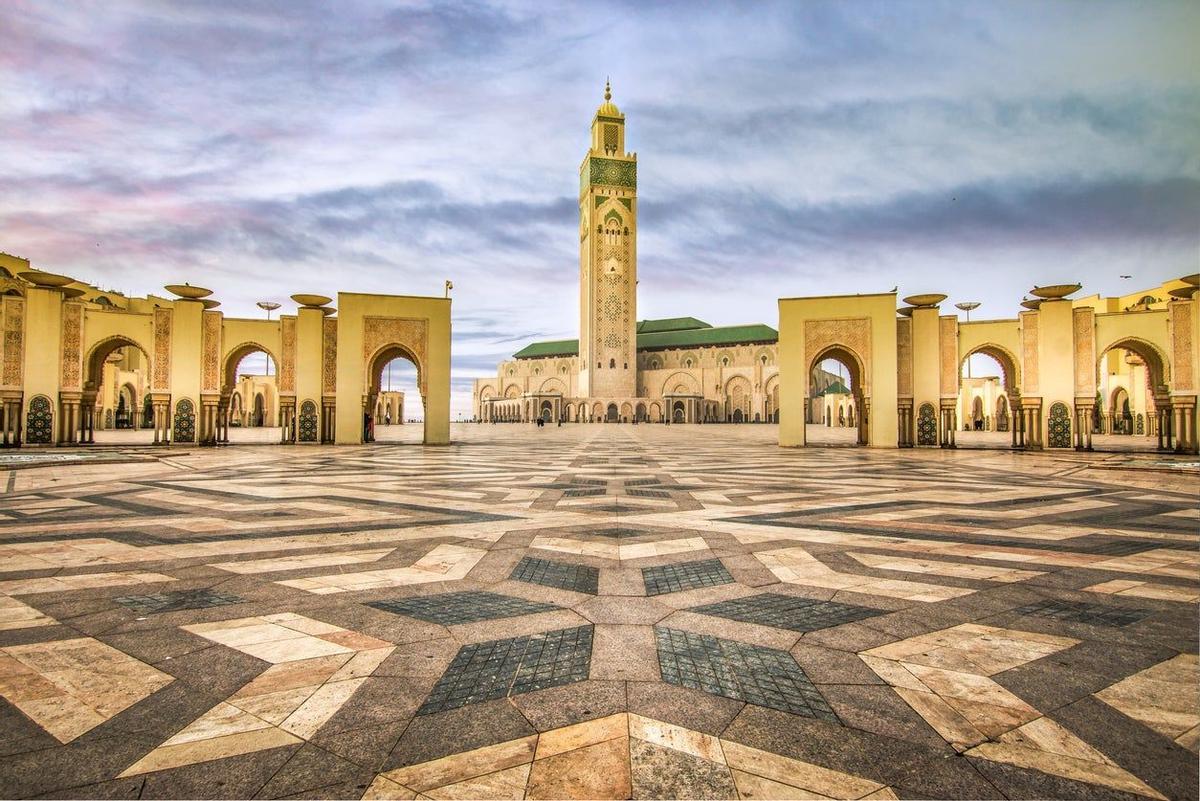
column 604, row 611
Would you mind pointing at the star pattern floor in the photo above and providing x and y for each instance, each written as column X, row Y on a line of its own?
column 600, row 611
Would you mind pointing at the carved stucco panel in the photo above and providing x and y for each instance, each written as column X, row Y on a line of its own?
column 162, row 351
column 329, row 356
column 407, row 332
column 1031, row 383
column 852, row 333
column 287, row 356
column 948, row 355
column 14, row 341
column 904, row 377
column 211, row 348
column 1085, row 352
column 1182, row 372
column 72, row 346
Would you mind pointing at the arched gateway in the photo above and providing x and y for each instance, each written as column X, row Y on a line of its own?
column 327, row 362
column 906, row 367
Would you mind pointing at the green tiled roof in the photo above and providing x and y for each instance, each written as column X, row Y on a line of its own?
column 836, row 388
column 701, row 337
column 540, row 350
column 692, row 337
column 670, row 324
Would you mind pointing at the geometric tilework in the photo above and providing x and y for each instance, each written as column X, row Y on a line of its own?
column 548, row 573
column 685, row 576
column 751, row 673
column 455, row 608
column 489, row 670
column 788, row 611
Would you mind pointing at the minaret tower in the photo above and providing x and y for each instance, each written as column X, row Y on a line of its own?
column 608, row 259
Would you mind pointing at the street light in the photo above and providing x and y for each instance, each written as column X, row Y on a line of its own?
column 967, row 306
column 268, row 306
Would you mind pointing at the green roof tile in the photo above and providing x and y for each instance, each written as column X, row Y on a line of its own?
column 703, row 335
column 670, row 324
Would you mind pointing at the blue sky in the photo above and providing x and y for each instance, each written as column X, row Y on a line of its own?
column 266, row 148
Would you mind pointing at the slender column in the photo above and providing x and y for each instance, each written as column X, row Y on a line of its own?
column 1177, row 428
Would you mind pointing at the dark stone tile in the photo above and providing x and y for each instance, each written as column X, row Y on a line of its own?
column 115, row 789
column 368, row 746
column 761, row 676
column 177, row 600
column 787, row 611
column 1022, row 783
column 572, row 703
column 217, row 670
column 456, row 608
column 624, row 653
column 311, row 767
column 682, row 706
column 610, row 609
column 877, row 709
column 831, row 666
column 380, row 699
column 562, row 575
column 489, row 670
column 660, row 772
column 1081, row 612
column 233, row 777
column 74, row 764
column 458, row 730
column 685, row 576
column 1153, row 758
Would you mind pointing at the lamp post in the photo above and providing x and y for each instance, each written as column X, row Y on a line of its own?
column 268, row 306
column 967, row 306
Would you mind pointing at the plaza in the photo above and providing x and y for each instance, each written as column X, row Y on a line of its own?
column 603, row 611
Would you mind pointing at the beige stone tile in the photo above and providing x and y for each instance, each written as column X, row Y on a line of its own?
column 466, row 765
column 503, row 784
column 945, row 719
column 87, row 581
column 320, row 707
column 794, row 773
column 750, row 786
column 578, row 735
column 698, row 744
column 1069, row 768
column 383, row 789
column 16, row 615
column 303, row 562
column 980, row 572
column 599, row 771
column 223, row 719
column 1165, row 697
column 191, row 753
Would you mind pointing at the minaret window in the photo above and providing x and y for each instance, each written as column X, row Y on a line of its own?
column 610, row 140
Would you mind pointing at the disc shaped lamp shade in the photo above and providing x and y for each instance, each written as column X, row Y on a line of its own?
column 1193, row 279
column 905, row 311
column 1032, row 305
column 267, row 305
column 39, row 278
column 312, row 301
column 70, row 293
column 924, row 301
column 209, row 303
column 970, row 305
column 1184, row 292
column 187, row 291
column 1055, row 292
column 328, row 310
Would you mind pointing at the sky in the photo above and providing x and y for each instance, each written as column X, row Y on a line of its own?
column 798, row 148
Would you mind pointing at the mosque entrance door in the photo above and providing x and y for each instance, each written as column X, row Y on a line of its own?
column 612, row 415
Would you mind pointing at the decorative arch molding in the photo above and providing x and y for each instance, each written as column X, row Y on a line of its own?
column 849, row 337
column 553, row 385
column 99, row 353
column 234, row 356
column 1008, row 361
column 852, row 360
column 405, row 336
column 1158, row 364
column 486, row 392
column 681, row 378
column 512, row 391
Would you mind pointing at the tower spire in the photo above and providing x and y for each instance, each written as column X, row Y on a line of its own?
column 607, row 90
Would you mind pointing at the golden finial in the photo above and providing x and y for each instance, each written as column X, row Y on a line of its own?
column 607, row 90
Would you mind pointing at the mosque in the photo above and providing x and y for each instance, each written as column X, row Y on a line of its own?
column 621, row 369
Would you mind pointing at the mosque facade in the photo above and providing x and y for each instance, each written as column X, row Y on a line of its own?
column 621, row 369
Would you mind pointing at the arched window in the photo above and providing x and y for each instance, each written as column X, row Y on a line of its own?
column 612, row 364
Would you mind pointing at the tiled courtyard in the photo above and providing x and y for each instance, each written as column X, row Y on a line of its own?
column 598, row 612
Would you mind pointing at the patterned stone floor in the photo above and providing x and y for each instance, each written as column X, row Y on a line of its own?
column 599, row 612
